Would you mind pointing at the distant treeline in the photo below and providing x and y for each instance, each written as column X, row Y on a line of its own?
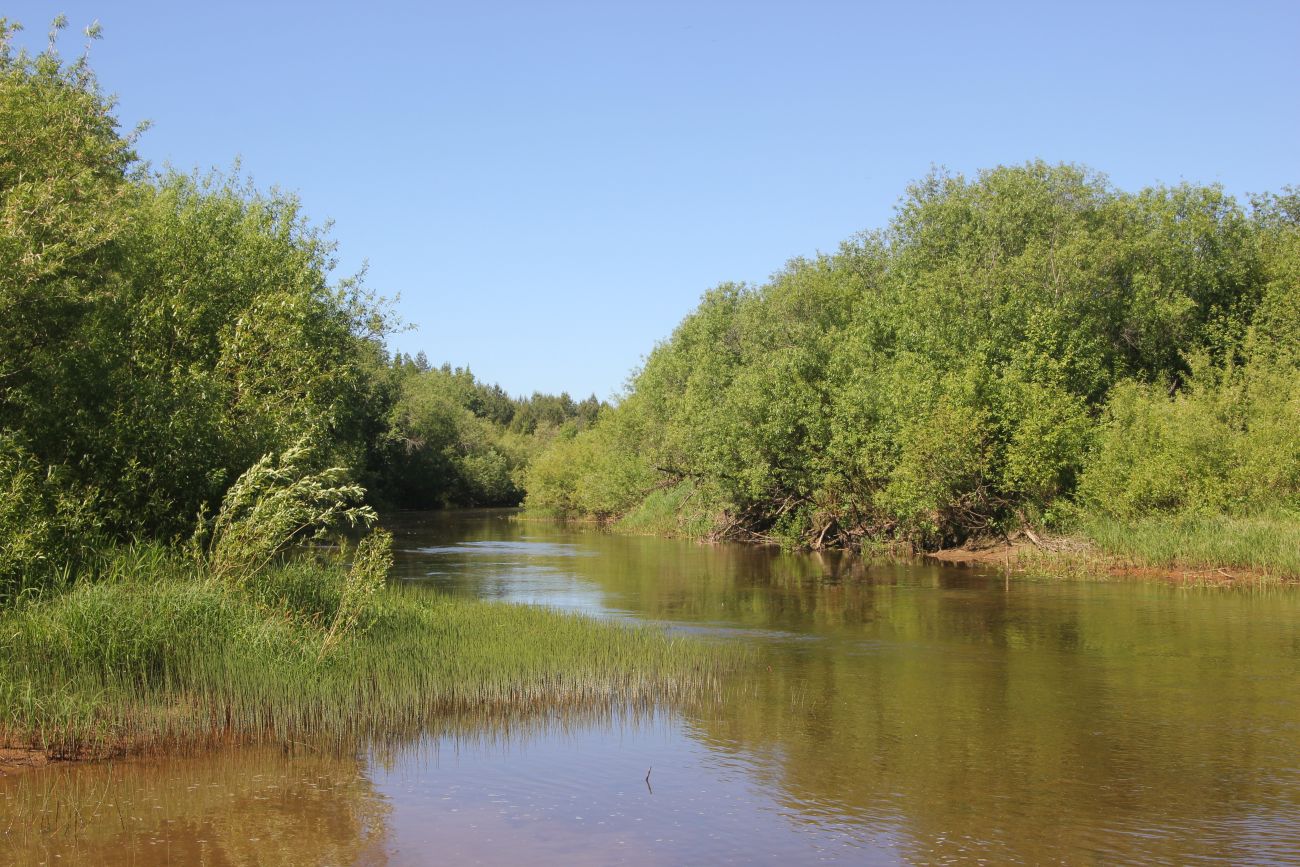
column 161, row 332
column 1015, row 349
column 451, row 440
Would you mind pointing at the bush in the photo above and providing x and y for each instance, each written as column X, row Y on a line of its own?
column 1225, row 443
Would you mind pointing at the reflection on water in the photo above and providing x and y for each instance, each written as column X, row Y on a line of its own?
column 527, row 548
column 586, row 799
column 237, row 807
column 897, row 714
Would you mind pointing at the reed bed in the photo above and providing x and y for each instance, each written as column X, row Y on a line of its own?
column 154, row 654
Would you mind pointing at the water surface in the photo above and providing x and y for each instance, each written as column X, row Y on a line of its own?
column 895, row 714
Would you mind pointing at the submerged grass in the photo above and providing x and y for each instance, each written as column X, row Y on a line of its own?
column 157, row 653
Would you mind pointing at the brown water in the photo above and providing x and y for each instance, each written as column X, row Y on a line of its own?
column 897, row 714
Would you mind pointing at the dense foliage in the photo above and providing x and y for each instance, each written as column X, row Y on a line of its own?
column 1010, row 348
column 162, row 333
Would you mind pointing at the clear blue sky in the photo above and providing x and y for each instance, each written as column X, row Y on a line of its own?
column 551, row 186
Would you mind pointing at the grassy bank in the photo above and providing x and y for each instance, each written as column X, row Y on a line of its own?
column 1211, row 548
column 1262, row 548
column 1265, row 545
column 673, row 511
column 156, row 654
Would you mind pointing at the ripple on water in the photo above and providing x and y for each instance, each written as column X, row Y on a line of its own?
column 520, row 548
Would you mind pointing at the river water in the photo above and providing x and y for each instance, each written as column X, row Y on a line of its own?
column 895, row 714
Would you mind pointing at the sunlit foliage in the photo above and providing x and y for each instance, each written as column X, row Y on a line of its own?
column 451, row 440
column 959, row 372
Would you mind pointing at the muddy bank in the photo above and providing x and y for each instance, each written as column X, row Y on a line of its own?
column 18, row 759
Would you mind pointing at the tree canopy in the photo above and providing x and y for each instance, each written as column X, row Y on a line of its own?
column 1011, row 347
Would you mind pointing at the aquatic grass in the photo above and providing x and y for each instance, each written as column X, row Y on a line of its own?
column 272, row 507
column 156, row 655
column 255, row 631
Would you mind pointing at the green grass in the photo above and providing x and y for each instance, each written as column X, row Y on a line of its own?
column 671, row 512
column 155, row 654
column 1267, row 543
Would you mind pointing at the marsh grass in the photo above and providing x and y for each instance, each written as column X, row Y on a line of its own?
column 1267, row 544
column 158, row 654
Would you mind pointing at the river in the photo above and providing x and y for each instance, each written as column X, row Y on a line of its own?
column 893, row 714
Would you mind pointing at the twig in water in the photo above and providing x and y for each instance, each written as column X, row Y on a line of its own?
column 647, row 779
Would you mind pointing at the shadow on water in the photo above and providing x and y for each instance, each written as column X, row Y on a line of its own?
column 896, row 713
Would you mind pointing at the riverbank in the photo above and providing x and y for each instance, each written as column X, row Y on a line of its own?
column 155, row 656
column 1202, row 550
column 1195, row 549
column 1087, row 562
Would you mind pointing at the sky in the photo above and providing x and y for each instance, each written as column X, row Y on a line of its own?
column 549, row 187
